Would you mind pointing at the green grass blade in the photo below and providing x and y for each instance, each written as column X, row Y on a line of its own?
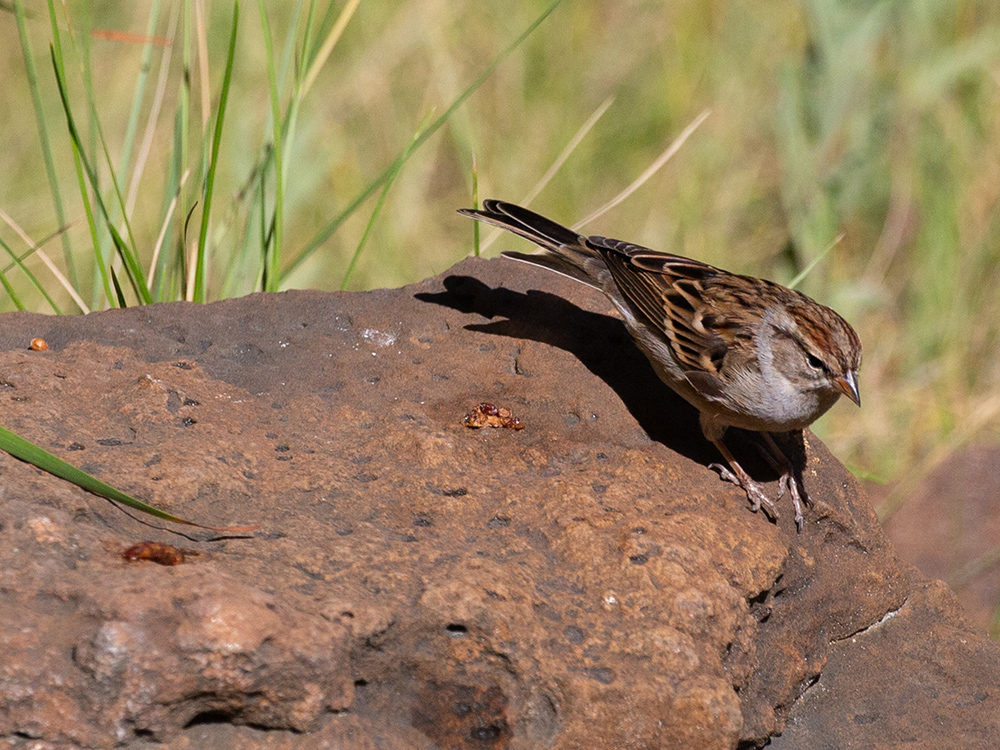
column 378, row 208
column 31, row 250
column 10, row 291
column 312, row 43
column 327, row 232
column 145, row 65
column 128, row 257
column 43, row 137
column 131, row 264
column 7, row 285
column 99, row 264
column 101, row 282
column 118, row 290
column 272, row 249
column 31, row 277
column 307, row 42
column 126, row 250
column 813, row 263
column 288, row 53
column 83, row 169
column 27, row 451
column 201, row 261
column 475, row 204
column 263, row 233
column 149, row 137
column 326, row 49
column 174, row 271
column 302, row 61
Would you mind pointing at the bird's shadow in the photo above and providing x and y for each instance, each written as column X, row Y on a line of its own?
column 605, row 347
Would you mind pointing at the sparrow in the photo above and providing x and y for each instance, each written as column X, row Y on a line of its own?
column 745, row 352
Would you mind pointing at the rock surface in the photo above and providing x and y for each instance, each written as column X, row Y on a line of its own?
column 949, row 527
column 585, row 582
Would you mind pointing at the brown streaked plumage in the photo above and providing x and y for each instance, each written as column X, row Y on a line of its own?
column 746, row 352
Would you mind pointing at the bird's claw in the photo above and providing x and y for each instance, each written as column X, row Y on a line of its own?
column 800, row 498
column 755, row 492
column 725, row 474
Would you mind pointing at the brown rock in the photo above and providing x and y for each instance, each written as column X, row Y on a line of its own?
column 949, row 527
column 915, row 679
column 585, row 582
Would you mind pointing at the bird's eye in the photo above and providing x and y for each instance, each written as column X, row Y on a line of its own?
column 814, row 362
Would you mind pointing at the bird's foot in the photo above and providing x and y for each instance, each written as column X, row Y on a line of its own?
column 755, row 491
column 800, row 498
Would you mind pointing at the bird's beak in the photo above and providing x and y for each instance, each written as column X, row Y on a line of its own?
column 848, row 384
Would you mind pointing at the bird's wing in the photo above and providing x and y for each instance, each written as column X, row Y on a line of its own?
column 681, row 298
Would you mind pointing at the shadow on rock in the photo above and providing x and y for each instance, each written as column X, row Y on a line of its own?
column 605, row 347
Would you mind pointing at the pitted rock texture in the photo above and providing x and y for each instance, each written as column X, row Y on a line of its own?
column 586, row 582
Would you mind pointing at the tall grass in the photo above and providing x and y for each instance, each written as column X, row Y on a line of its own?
column 347, row 137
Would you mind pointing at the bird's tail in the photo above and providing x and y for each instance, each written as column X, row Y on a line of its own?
column 563, row 250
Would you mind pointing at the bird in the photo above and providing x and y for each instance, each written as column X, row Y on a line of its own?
column 745, row 352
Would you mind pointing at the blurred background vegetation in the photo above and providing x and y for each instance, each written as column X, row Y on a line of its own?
column 875, row 119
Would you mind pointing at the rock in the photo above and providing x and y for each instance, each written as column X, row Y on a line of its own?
column 915, row 679
column 949, row 526
column 584, row 582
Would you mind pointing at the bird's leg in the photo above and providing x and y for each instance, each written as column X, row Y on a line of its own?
column 754, row 490
column 789, row 478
